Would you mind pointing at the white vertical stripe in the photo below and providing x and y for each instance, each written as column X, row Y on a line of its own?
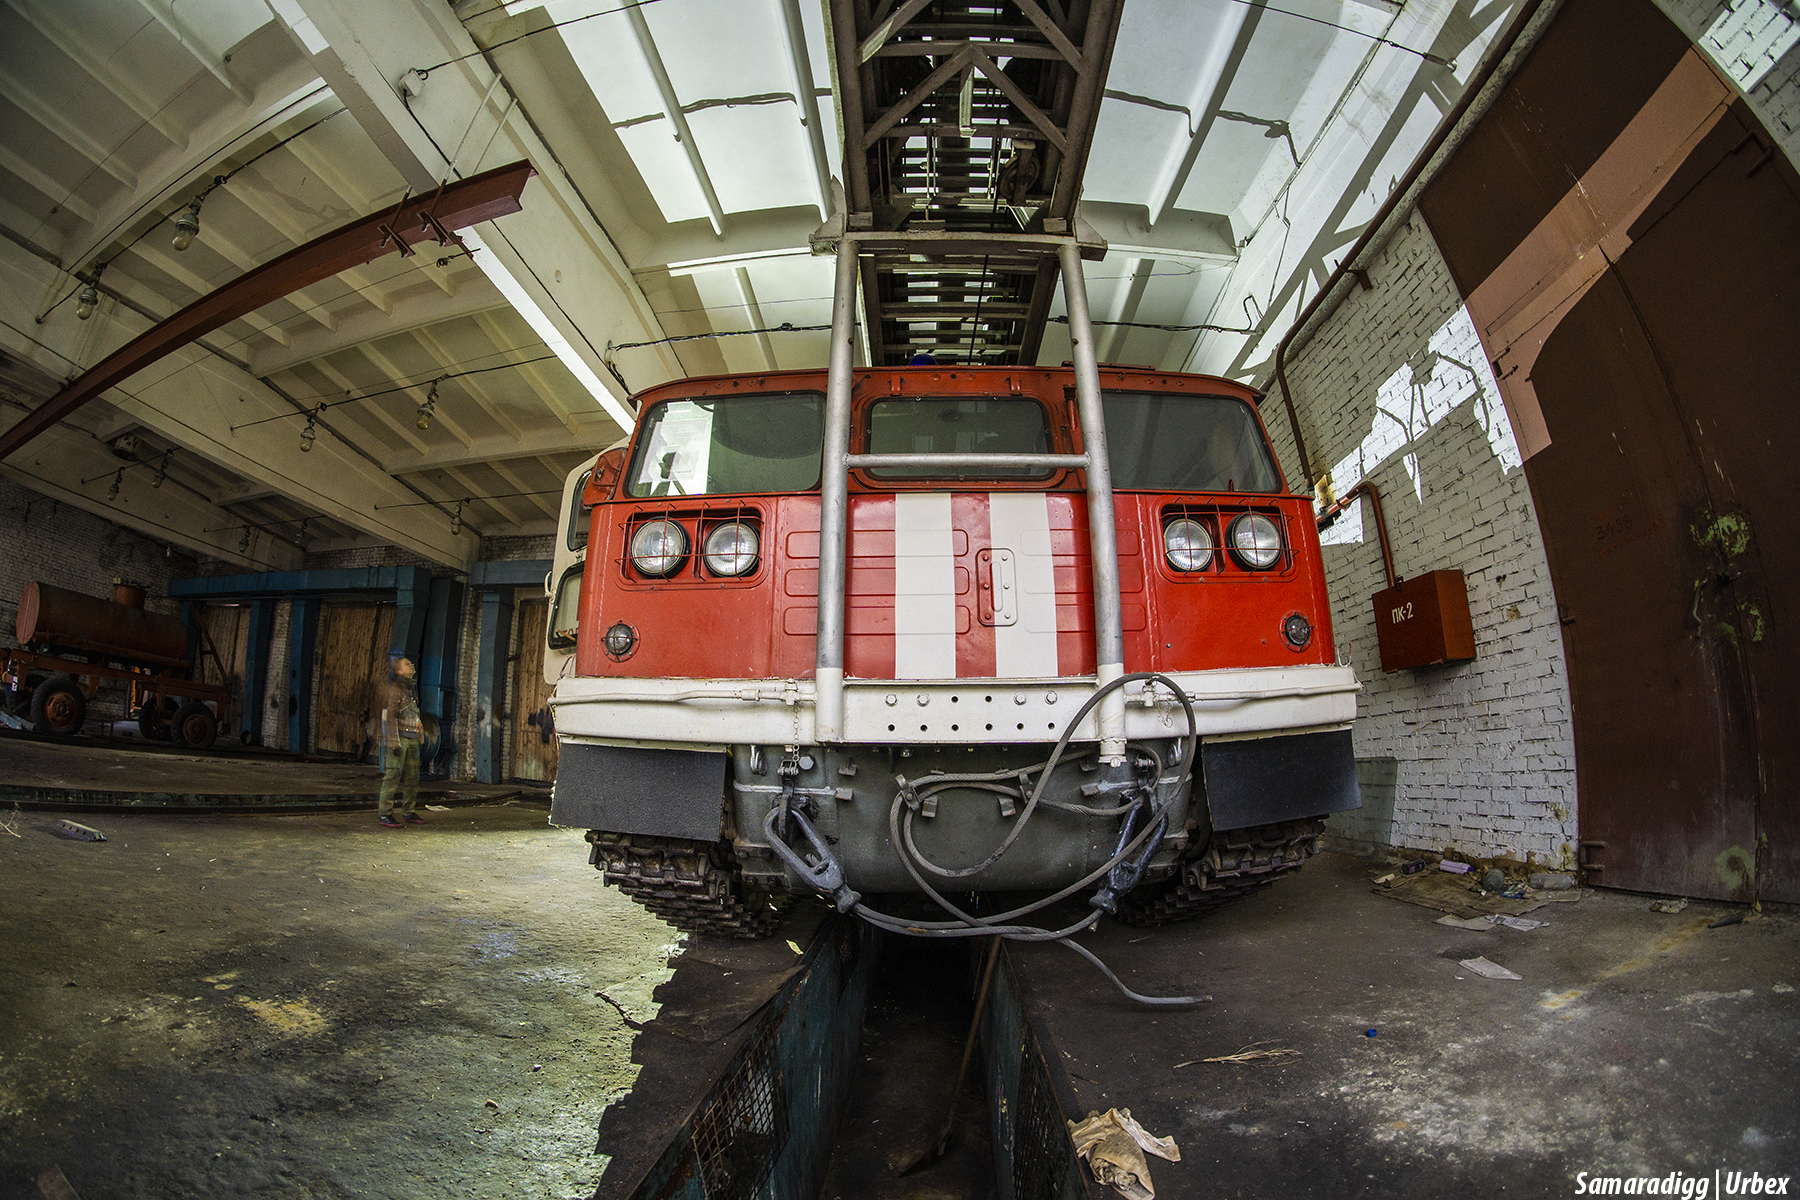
column 1020, row 522
column 924, row 587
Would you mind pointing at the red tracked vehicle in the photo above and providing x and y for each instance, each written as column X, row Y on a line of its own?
column 705, row 732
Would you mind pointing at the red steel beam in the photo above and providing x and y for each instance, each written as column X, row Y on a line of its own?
column 455, row 206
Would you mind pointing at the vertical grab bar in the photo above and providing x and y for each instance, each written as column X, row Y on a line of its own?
column 1109, row 633
column 834, row 503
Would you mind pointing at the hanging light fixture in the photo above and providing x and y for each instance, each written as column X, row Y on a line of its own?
column 162, row 470
column 244, row 542
column 88, row 300
column 456, row 519
column 187, row 225
column 309, row 435
column 430, row 405
column 304, row 522
column 112, row 493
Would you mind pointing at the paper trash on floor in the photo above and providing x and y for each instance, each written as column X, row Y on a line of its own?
column 1114, row 1146
column 1488, row 970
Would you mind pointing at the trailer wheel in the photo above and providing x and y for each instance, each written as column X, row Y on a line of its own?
column 153, row 721
column 194, row 726
column 57, row 706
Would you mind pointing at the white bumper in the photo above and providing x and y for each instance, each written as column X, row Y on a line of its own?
column 720, row 712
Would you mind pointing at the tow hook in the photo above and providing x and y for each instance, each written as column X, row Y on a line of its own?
column 1130, row 872
column 825, row 874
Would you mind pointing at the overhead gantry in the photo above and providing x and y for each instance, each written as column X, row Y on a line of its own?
column 965, row 124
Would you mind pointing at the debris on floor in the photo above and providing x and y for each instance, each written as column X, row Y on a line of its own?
column 1734, row 919
column 1552, row 881
column 12, row 722
column 1492, row 921
column 1114, row 1146
column 1488, row 970
column 1669, row 907
column 75, row 832
column 1254, row 1052
column 1454, row 867
column 1458, row 895
column 55, row 1186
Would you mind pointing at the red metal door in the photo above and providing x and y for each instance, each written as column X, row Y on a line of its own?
column 1663, row 497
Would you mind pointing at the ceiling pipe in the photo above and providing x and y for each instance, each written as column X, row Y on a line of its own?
column 1402, row 193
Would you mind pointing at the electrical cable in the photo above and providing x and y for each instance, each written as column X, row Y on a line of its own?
column 405, row 387
column 1435, row 59
column 966, row 924
column 425, row 71
column 92, row 278
column 474, row 499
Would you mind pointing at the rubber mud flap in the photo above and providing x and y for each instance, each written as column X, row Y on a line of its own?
column 1259, row 781
column 628, row 789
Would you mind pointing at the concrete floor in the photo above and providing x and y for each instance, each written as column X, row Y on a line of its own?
column 105, row 773
column 1636, row 1043
column 313, row 1006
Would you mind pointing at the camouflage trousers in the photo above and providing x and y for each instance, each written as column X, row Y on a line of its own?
column 402, row 775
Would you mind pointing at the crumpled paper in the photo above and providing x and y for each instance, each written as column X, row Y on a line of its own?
column 1114, row 1145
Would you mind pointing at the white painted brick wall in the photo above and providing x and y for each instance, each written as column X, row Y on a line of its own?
column 1395, row 387
column 1757, row 44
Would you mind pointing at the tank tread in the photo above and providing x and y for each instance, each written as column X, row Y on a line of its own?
column 694, row 886
column 1234, row 864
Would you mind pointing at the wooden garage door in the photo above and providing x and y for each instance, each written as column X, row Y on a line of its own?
column 227, row 625
column 353, row 648
column 533, row 733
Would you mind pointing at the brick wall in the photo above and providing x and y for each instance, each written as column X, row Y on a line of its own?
column 1394, row 387
column 46, row 540
column 1757, row 44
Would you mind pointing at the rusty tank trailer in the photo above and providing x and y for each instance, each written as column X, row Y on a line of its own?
column 70, row 643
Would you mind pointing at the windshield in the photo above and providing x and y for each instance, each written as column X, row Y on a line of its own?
column 725, row 444
column 1184, row 443
column 954, row 425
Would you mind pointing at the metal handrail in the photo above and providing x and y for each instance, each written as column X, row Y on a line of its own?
column 927, row 458
column 834, row 499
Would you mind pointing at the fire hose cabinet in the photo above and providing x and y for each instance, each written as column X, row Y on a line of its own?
column 1424, row 622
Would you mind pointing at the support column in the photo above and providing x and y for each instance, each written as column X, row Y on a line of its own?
column 437, row 653
column 490, row 684
column 834, row 504
column 256, row 666
column 303, row 635
column 1103, row 539
column 412, row 593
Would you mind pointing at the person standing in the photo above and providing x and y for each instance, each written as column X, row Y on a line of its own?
column 402, row 734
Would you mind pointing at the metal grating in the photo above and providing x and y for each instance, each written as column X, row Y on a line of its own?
column 1042, row 1153
column 743, row 1126
column 966, row 117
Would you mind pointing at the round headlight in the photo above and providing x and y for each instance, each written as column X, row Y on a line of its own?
column 619, row 641
column 658, row 548
column 731, row 549
column 1188, row 545
column 1297, row 630
column 1254, row 541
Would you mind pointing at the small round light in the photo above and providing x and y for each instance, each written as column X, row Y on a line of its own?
column 1254, row 541
column 731, row 549
column 1188, row 545
column 1297, row 631
column 620, row 641
column 658, row 548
